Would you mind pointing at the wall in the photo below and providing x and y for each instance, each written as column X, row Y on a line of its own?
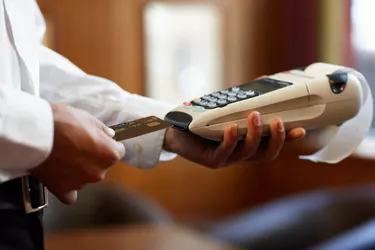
column 104, row 37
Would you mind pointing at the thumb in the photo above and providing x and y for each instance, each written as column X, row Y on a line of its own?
column 120, row 147
column 107, row 130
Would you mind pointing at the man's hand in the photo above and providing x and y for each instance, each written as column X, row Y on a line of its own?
column 230, row 151
column 83, row 150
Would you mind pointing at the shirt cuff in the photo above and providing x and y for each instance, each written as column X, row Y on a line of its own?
column 146, row 151
column 8, row 175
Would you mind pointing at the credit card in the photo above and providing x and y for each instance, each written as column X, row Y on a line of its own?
column 146, row 125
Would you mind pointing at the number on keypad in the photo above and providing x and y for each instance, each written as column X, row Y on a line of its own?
column 224, row 97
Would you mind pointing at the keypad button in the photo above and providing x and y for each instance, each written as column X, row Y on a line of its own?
column 242, row 96
column 203, row 102
column 187, row 105
column 197, row 99
column 232, row 93
column 212, row 99
column 206, row 97
column 212, row 105
column 222, row 96
column 222, row 102
column 232, row 99
column 198, row 109
column 224, row 91
column 250, row 93
column 216, row 94
column 235, row 89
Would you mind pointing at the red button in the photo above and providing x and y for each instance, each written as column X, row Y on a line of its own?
column 187, row 104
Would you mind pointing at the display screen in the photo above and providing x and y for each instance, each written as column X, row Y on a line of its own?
column 265, row 85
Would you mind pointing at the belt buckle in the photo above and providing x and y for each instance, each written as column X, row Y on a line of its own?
column 31, row 192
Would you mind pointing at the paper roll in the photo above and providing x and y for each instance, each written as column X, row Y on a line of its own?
column 351, row 133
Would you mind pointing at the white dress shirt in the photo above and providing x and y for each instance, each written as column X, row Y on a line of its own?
column 31, row 75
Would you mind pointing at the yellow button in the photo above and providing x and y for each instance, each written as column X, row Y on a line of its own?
column 197, row 99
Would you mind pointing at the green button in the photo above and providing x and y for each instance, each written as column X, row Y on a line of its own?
column 198, row 109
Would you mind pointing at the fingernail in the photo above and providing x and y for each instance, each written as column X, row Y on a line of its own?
column 257, row 119
column 302, row 133
column 110, row 132
column 280, row 126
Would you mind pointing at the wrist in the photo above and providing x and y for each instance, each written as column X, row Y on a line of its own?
column 56, row 107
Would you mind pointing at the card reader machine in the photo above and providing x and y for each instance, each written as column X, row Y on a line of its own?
column 313, row 97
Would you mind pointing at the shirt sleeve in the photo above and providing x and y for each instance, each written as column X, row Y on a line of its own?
column 62, row 81
column 26, row 132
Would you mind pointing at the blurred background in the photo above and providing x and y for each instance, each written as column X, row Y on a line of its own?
column 175, row 50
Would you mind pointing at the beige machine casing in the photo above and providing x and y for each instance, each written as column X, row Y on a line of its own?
column 309, row 103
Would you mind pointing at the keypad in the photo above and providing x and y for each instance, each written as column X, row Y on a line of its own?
column 222, row 98
column 242, row 96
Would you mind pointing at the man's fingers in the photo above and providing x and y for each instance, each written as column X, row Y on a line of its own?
column 110, row 132
column 107, row 130
column 70, row 197
column 114, row 152
column 226, row 147
column 119, row 146
column 295, row 134
column 276, row 141
column 109, row 151
column 253, row 137
column 120, row 150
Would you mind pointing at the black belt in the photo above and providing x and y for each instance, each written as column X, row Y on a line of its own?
column 25, row 193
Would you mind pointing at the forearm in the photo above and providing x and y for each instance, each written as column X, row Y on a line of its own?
column 61, row 81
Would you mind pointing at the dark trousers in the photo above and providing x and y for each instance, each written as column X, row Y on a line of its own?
column 18, row 230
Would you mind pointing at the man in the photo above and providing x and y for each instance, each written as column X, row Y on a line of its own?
column 53, row 129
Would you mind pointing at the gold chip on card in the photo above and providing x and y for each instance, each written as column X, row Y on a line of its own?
column 128, row 130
